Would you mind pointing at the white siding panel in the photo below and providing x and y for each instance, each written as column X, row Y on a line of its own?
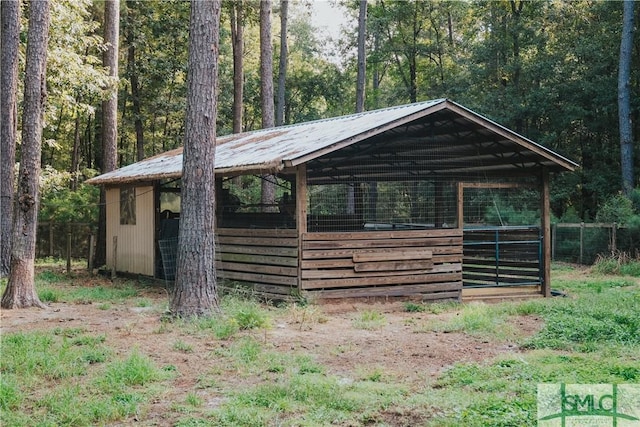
column 135, row 250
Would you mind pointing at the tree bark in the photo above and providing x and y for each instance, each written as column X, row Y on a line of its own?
column 266, row 95
column 135, row 85
column 362, row 58
column 195, row 291
column 109, row 129
column 282, row 70
column 10, row 39
column 21, row 289
column 237, row 41
column 624, row 98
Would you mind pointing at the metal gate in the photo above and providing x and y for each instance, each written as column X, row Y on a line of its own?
column 502, row 257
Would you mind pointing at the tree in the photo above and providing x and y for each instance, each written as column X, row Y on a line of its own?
column 282, row 69
column 237, row 43
column 195, row 292
column 109, row 115
column 21, row 290
column 10, row 37
column 624, row 98
column 132, row 71
column 266, row 94
column 362, row 57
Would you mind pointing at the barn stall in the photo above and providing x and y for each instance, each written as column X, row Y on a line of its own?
column 428, row 200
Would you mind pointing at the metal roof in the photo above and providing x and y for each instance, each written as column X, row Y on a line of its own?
column 272, row 150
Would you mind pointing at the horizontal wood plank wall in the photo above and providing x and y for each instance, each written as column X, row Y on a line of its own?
column 267, row 259
column 502, row 257
column 425, row 263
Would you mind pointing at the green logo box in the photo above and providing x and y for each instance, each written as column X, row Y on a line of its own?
column 586, row 405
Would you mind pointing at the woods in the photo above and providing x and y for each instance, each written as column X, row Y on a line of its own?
column 564, row 74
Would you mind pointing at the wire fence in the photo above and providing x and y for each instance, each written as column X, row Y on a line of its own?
column 61, row 240
column 582, row 243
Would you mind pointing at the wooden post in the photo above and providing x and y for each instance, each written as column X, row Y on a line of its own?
column 581, row 242
column 460, row 195
column 68, row 252
column 545, row 222
column 614, row 245
column 301, row 214
column 114, row 258
column 92, row 238
column 50, row 239
column 554, row 238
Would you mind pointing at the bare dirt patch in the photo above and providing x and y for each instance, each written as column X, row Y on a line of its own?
column 401, row 346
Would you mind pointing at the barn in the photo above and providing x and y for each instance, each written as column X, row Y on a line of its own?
column 427, row 200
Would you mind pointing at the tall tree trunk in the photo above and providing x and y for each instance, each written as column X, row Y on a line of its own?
column 133, row 80
column 10, row 39
column 362, row 57
column 237, row 40
column 282, row 70
column 75, row 153
column 109, row 117
column 624, row 98
column 21, row 289
column 195, row 289
column 268, row 186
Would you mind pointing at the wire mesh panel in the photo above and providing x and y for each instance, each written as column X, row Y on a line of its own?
column 168, row 253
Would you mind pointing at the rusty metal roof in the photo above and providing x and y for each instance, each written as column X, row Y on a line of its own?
column 272, row 150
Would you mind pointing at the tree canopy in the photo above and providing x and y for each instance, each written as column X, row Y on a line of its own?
column 545, row 69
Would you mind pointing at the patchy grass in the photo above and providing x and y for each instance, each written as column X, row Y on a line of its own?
column 71, row 376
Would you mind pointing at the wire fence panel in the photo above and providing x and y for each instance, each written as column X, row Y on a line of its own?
column 52, row 239
column 582, row 243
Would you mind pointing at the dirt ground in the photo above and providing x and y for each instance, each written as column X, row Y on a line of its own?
column 402, row 347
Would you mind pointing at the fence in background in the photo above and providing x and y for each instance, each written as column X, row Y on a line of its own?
column 57, row 240
column 582, row 242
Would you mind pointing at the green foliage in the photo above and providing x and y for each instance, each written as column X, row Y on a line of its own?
column 618, row 209
column 369, row 320
column 59, row 203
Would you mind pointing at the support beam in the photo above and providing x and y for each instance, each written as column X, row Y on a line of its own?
column 545, row 225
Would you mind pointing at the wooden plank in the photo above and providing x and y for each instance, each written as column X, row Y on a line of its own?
column 497, row 185
column 546, row 233
column 257, row 232
column 482, row 292
column 391, row 266
column 380, row 243
column 390, row 255
column 258, row 259
column 259, row 278
column 350, row 273
column 348, row 262
column 506, row 263
column 257, row 241
column 380, row 281
column 254, row 268
column 446, row 290
column 501, row 271
column 259, row 250
column 274, row 289
column 383, row 235
column 348, row 253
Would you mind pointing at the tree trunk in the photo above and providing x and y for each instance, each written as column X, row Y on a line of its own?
column 195, row 291
column 135, row 86
column 109, row 129
column 75, row 152
column 237, row 40
column 624, row 98
column 10, row 39
column 266, row 95
column 362, row 58
column 21, row 289
column 282, row 70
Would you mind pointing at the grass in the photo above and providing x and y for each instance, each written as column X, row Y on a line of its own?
column 71, row 376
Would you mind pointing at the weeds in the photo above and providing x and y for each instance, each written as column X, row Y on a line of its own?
column 369, row 320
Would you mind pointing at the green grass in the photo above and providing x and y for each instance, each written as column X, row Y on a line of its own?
column 69, row 376
column 84, row 383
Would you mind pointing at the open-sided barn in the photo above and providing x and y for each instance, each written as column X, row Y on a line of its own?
column 392, row 202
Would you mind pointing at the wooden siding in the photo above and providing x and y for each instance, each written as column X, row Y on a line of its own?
column 265, row 258
column 135, row 253
column 426, row 263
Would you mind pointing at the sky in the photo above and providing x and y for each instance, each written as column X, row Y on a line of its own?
column 330, row 17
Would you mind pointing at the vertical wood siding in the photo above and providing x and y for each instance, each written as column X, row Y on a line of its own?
column 135, row 249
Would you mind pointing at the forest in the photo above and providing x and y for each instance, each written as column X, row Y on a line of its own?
column 548, row 70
